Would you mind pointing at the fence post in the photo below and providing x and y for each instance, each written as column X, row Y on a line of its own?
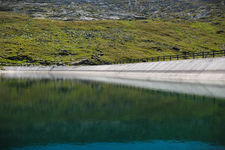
column 184, row 55
column 193, row 55
column 203, row 55
column 177, row 57
column 170, row 57
column 213, row 53
column 152, row 59
column 163, row 58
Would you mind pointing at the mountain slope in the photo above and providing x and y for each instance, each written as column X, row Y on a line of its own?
column 25, row 40
column 116, row 9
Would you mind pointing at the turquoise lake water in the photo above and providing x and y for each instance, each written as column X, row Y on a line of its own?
column 46, row 114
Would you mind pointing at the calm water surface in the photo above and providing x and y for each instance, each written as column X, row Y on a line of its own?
column 83, row 115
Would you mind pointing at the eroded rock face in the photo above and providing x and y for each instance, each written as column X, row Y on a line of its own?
column 115, row 9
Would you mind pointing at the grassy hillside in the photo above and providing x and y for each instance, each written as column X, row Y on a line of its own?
column 24, row 40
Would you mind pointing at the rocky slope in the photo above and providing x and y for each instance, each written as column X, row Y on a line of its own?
column 116, row 9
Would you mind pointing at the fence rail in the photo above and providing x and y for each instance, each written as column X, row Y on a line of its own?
column 184, row 55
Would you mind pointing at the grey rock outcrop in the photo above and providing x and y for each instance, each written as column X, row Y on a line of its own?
column 115, row 9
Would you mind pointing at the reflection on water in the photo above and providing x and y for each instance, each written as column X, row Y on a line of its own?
column 74, row 114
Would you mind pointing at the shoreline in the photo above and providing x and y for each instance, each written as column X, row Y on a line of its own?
column 217, row 78
column 204, row 77
column 207, row 70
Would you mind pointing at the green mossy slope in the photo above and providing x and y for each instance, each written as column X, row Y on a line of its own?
column 24, row 40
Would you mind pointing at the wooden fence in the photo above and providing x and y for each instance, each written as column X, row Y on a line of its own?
column 184, row 55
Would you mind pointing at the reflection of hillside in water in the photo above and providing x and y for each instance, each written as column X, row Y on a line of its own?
column 73, row 111
column 192, row 87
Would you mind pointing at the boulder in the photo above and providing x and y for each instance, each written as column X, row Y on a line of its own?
column 64, row 53
column 176, row 48
column 85, row 61
column 140, row 18
column 219, row 32
column 59, row 63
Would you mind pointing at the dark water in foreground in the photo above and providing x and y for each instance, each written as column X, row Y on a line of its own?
column 84, row 115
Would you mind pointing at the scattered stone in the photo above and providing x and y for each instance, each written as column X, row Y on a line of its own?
column 59, row 64
column 176, row 48
column 140, row 18
column 64, row 53
column 100, row 54
column 149, row 41
column 158, row 49
column 216, row 23
column 21, row 58
column 219, row 32
column 85, row 61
